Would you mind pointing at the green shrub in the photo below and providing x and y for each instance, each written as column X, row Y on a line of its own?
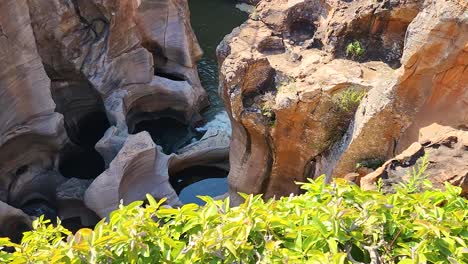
column 329, row 223
column 349, row 100
column 355, row 49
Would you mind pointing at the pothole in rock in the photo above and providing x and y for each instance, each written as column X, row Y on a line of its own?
column 80, row 162
column 302, row 21
column 85, row 122
column 259, row 80
column 301, row 29
column 165, row 127
column 168, row 133
column 199, row 180
column 38, row 207
column 89, row 129
column 83, row 110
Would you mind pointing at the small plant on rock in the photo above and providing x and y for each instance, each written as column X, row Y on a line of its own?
column 345, row 105
column 349, row 100
column 355, row 50
column 268, row 105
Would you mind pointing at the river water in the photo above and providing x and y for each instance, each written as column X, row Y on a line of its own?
column 211, row 21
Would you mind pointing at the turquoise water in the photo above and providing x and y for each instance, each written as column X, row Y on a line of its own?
column 211, row 21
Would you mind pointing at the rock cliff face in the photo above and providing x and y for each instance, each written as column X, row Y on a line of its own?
column 317, row 87
column 77, row 78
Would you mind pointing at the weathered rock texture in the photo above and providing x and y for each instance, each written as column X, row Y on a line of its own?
column 76, row 78
column 444, row 151
column 301, row 106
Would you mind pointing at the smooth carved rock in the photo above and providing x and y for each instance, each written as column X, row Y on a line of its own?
column 31, row 133
column 73, row 75
column 91, row 40
column 174, row 96
column 288, row 86
column 70, row 202
column 211, row 150
column 139, row 168
column 167, row 34
column 446, row 150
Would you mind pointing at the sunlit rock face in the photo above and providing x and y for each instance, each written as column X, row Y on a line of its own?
column 76, row 79
column 441, row 152
column 303, row 104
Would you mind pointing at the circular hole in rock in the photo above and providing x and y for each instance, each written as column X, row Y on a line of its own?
column 82, row 163
column 199, row 180
column 302, row 29
column 167, row 132
column 89, row 129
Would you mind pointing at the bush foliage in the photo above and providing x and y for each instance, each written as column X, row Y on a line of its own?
column 355, row 49
column 329, row 223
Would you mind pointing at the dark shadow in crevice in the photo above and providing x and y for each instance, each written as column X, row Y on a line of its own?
column 301, row 29
column 80, row 162
column 89, row 129
column 85, row 122
column 167, row 128
column 14, row 228
column 171, row 76
column 188, row 176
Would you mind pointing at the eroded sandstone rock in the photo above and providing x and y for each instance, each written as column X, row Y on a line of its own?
column 76, row 78
column 301, row 106
column 70, row 203
column 441, row 151
column 139, row 168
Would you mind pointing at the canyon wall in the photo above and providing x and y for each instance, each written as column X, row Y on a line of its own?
column 80, row 82
column 333, row 87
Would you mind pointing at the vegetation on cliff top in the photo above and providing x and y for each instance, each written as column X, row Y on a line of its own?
column 329, row 223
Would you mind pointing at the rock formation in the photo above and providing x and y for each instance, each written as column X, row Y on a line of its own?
column 101, row 100
column 444, row 152
column 316, row 87
column 77, row 79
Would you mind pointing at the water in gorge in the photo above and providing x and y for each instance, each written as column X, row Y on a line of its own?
column 211, row 21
